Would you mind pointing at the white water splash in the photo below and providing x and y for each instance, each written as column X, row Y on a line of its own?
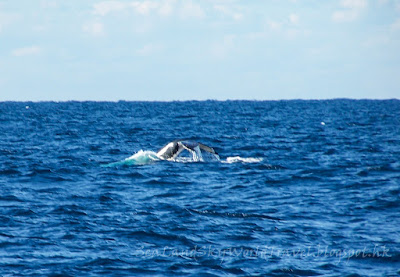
column 238, row 159
column 196, row 155
column 139, row 158
column 143, row 157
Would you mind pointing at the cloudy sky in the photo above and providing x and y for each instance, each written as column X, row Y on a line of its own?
column 199, row 49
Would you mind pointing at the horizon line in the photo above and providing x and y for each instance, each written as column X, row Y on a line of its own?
column 202, row 100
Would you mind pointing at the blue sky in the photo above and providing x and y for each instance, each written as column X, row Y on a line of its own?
column 188, row 49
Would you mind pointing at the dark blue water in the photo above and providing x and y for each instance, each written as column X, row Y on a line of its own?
column 303, row 188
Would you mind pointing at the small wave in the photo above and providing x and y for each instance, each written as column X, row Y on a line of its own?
column 10, row 198
column 238, row 159
column 232, row 215
column 9, row 172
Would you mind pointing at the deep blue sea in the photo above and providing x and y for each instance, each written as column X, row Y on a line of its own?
column 302, row 188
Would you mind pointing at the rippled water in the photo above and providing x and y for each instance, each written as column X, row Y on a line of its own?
column 303, row 188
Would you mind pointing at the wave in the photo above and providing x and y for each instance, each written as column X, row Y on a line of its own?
column 145, row 157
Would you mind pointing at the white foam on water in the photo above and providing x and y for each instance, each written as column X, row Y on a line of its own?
column 139, row 158
column 143, row 157
column 238, row 159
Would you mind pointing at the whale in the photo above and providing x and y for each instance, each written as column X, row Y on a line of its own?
column 172, row 149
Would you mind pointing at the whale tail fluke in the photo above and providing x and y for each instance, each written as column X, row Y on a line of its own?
column 172, row 150
column 207, row 149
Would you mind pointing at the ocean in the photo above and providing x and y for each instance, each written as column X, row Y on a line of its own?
column 302, row 188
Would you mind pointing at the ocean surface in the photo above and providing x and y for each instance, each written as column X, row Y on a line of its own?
column 302, row 188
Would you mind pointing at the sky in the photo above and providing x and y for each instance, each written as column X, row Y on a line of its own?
column 199, row 49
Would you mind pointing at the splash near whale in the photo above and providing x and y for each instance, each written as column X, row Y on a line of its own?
column 182, row 151
column 177, row 151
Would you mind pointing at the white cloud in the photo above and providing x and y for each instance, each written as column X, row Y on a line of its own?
column 187, row 8
column 166, row 7
column 227, row 10
column 274, row 25
column 106, row 7
column 350, row 10
column 294, row 18
column 93, row 28
column 191, row 10
column 144, row 7
column 289, row 28
column 7, row 19
column 344, row 16
column 26, row 51
column 141, row 7
column 354, row 4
